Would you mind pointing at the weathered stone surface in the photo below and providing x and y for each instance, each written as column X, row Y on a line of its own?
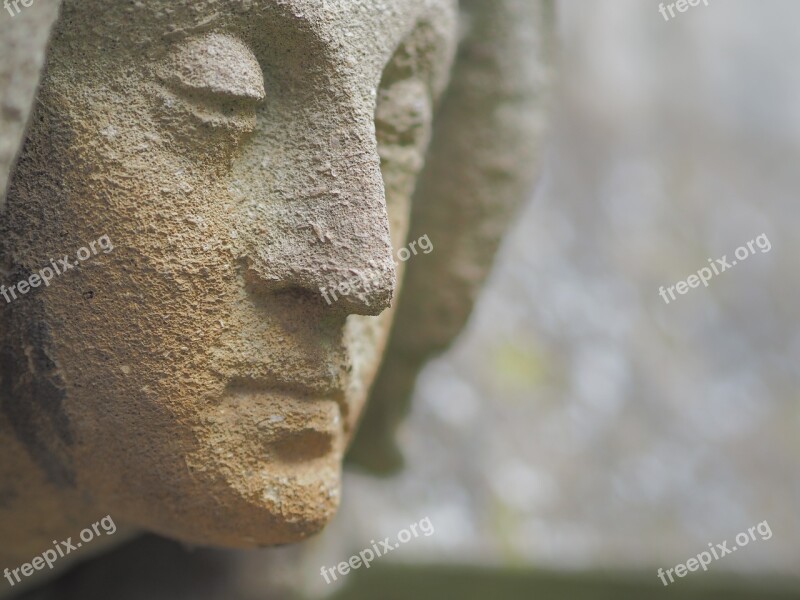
column 191, row 380
column 224, row 163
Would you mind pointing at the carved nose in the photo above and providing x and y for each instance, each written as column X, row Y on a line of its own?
column 329, row 237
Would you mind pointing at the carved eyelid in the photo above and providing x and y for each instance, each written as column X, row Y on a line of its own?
column 215, row 64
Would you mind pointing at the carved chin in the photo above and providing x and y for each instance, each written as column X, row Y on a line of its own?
column 268, row 472
column 271, row 510
column 261, row 508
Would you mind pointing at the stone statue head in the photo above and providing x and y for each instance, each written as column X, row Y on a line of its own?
column 229, row 153
column 196, row 175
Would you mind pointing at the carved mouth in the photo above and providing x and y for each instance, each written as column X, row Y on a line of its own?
column 246, row 383
column 296, row 423
column 309, row 392
column 302, row 446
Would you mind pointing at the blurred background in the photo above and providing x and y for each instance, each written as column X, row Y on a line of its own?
column 583, row 433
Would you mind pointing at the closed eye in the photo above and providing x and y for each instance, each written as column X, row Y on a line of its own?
column 217, row 70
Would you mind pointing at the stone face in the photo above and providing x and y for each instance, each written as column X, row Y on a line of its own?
column 189, row 378
column 205, row 173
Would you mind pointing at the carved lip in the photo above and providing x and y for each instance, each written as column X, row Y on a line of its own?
column 302, row 445
column 254, row 385
column 314, row 392
column 296, row 423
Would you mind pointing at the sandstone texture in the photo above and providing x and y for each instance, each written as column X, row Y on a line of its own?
column 204, row 173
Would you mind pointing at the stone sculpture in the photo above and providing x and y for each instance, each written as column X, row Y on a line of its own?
column 193, row 174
